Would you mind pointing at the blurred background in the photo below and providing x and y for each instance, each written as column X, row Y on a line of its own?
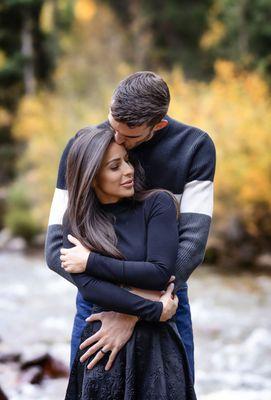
column 59, row 63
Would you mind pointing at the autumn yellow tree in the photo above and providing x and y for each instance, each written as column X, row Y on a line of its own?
column 84, row 80
column 235, row 109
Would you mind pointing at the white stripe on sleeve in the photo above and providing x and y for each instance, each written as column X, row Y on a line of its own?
column 197, row 198
column 58, row 207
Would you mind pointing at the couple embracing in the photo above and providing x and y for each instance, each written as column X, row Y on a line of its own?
column 129, row 223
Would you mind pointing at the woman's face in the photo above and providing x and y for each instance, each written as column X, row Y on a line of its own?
column 115, row 179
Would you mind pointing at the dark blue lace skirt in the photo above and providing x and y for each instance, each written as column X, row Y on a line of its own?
column 151, row 366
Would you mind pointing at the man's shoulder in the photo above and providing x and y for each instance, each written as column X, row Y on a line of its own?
column 190, row 137
column 181, row 128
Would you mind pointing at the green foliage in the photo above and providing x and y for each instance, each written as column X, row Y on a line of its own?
column 29, row 47
column 194, row 34
column 164, row 33
column 47, row 120
column 244, row 35
column 13, row 15
column 19, row 218
column 98, row 51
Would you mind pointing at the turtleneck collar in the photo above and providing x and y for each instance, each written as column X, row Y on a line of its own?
column 118, row 206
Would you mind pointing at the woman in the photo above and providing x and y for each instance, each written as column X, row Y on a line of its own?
column 132, row 240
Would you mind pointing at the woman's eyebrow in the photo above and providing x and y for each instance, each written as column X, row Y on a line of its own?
column 113, row 159
column 117, row 159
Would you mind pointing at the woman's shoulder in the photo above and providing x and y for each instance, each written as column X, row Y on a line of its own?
column 159, row 201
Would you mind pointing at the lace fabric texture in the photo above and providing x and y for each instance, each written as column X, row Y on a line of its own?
column 151, row 366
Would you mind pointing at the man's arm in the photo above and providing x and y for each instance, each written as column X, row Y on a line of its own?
column 196, row 208
column 54, row 236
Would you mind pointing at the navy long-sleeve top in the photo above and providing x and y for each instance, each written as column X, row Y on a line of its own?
column 147, row 236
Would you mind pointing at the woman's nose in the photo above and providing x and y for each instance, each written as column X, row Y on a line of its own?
column 129, row 170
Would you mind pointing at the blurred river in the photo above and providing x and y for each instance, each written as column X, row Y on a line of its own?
column 231, row 318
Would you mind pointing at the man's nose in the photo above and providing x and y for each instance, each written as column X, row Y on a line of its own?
column 119, row 138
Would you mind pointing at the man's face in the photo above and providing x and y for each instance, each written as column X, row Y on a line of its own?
column 130, row 137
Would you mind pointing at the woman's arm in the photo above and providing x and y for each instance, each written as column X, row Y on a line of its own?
column 162, row 246
column 115, row 298
column 110, row 295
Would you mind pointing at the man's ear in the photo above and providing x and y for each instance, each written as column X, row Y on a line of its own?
column 162, row 124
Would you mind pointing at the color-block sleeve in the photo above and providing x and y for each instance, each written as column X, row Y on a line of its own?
column 54, row 235
column 162, row 244
column 196, row 208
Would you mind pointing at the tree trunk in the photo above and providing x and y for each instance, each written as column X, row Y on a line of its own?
column 140, row 34
column 27, row 50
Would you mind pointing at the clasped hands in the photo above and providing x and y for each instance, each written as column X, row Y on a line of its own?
column 117, row 328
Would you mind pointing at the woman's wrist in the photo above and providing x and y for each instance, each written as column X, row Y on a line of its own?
column 89, row 262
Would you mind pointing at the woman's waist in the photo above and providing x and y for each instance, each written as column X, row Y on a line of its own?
column 84, row 308
column 97, row 309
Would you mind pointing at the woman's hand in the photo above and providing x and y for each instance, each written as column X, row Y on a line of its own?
column 170, row 303
column 74, row 260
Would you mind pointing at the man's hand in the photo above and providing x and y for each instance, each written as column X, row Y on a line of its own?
column 170, row 303
column 74, row 260
column 114, row 333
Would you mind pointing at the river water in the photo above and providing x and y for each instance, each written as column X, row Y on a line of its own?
column 231, row 319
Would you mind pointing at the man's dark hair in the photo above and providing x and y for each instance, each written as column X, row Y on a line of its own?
column 141, row 98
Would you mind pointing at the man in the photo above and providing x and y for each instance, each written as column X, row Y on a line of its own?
column 176, row 157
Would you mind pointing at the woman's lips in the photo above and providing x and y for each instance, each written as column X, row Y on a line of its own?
column 128, row 184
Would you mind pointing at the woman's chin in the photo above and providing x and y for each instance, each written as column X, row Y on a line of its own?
column 128, row 192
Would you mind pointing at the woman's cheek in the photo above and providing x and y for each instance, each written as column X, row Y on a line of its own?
column 115, row 180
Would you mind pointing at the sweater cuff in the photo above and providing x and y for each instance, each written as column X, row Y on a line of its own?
column 155, row 314
column 90, row 261
column 159, row 306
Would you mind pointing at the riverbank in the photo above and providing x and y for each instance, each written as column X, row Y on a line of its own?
column 230, row 318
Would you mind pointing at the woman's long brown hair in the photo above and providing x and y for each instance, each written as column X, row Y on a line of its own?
column 87, row 220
